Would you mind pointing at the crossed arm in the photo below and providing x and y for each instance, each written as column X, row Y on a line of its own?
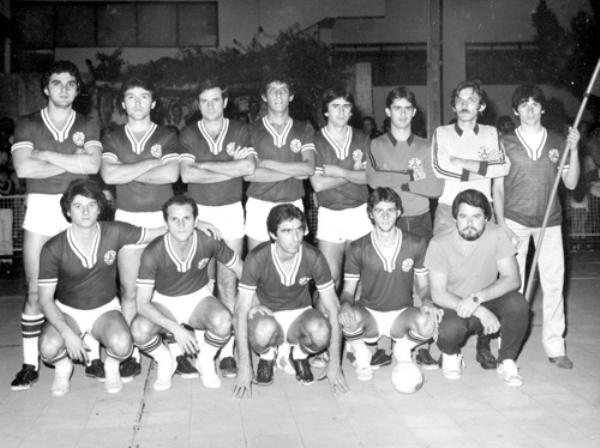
column 268, row 170
column 40, row 164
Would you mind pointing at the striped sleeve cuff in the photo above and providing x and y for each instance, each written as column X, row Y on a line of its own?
column 110, row 156
column 47, row 282
column 353, row 277
column 325, row 286
column 247, row 287
column 308, row 147
column 21, row 145
column 92, row 144
column 187, row 156
column 233, row 261
column 145, row 282
column 170, row 157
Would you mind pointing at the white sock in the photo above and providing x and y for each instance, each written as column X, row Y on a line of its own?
column 298, row 353
column 362, row 353
column 403, row 349
column 269, row 355
column 30, row 352
column 227, row 350
column 93, row 345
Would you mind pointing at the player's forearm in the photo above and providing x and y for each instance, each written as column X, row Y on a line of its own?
column 498, row 201
column 191, row 173
column 266, row 175
column 241, row 337
column 164, row 174
column 291, row 169
column 320, row 182
column 152, row 233
column 54, row 316
column 356, row 176
column 85, row 163
column 150, row 312
column 571, row 177
column 430, row 187
column 445, row 299
column 390, row 179
column 117, row 174
column 37, row 169
column 233, row 168
column 503, row 285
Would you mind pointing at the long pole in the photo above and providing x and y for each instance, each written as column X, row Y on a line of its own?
column 556, row 182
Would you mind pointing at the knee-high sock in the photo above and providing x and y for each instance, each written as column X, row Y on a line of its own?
column 31, row 328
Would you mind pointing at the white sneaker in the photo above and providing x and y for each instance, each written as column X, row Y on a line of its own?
column 509, row 372
column 452, row 366
column 62, row 377
column 208, row 372
column 364, row 373
column 112, row 383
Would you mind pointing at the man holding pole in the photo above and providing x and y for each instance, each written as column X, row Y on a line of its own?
column 521, row 199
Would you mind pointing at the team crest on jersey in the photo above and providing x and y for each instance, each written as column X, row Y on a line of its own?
column 553, row 155
column 357, row 155
column 203, row 262
column 304, row 280
column 109, row 257
column 407, row 264
column 79, row 138
column 230, row 149
column 156, row 151
column 416, row 166
column 295, row 145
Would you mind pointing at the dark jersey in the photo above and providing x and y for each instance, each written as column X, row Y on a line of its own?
column 171, row 276
column 296, row 137
column 36, row 131
column 86, row 281
column 120, row 145
column 277, row 289
column 387, row 283
column 347, row 156
column 197, row 145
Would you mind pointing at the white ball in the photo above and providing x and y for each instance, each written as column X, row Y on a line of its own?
column 407, row 378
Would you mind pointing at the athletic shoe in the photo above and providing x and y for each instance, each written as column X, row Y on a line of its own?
column 509, row 372
column 364, row 373
column 425, row 360
column 129, row 369
column 264, row 372
column 380, row 359
column 63, row 370
column 303, row 373
column 452, row 366
column 185, row 368
column 562, row 362
column 95, row 370
column 486, row 359
column 25, row 377
column 228, row 367
column 319, row 361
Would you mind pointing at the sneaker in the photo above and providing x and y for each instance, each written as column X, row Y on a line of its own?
column 562, row 362
column 303, row 373
column 185, row 368
column 25, row 377
column 486, row 359
column 264, row 372
column 425, row 360
column 364, row 373
column 319, row 361
column 228, row 367
column 129, row 369
column 380, row 359
column 95, row 370
column 509, row 372
column 452, row 366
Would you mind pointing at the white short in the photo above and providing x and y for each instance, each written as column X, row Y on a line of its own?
column 385, row 320
column 229, row 219
column 43, row 214
column 87, row 318
column 150, row 220
column 286, row 318
column 257, row 212
column 182, row 307
column 339, row 226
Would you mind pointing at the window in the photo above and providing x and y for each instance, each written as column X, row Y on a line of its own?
column 391, row 64
column 157, row 25
column 75, row 25
column 196, row 24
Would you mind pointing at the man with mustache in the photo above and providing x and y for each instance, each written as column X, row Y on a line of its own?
column 467, row 155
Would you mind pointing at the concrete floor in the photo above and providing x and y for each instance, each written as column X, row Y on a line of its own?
column 554, row 408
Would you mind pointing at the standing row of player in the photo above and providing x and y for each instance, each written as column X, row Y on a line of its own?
column 275, row 155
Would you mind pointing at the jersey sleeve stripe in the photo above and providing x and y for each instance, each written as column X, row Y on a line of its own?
column 348, row 276
column 247, row 287
column 48, row 282
column 187, row 156
column 169, row 157
column 233, row 261
column 148, row 283
column 421, row 271
column 325, row 286
column 21, row 145
column 92, row 144
column 110, row 156
column 308, row 147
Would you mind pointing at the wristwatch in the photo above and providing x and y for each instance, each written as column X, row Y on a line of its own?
column 476, row 299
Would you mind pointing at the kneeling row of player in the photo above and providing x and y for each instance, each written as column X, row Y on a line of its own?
column 471, row 268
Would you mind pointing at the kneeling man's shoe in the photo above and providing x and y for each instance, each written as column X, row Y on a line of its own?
column 452, row 366
column 509, row 372
column 562, row 362
column 228, row 367
column 25, row 377
column 129, row 368
column 380, row 359
column 303, row 373
column 185, row 368
column 264, row 372
column 486, row 359
column 425, row 360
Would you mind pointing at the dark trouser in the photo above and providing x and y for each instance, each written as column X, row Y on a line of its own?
column 511, row 310
column 419, row 225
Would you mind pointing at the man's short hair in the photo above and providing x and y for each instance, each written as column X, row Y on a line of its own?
column 145, row 84
column 333, row 93
column 400, row 92
column 276, row 77
column 213, row 83
column 473, row 84
column 523, row 93
column 474, row 198
column 86, row 188
column 179, row 199
column 61, row 67
column 281, row 213
column 383, row 194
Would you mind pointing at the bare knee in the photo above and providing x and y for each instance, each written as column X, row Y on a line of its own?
column 51, row 345
column 221, row 323
column 264, row 332
column 119, row 344
column 319, row 332
column 142, row 330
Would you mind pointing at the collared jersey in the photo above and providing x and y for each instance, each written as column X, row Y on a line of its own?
column 86, row 280
column 480, row 144
column 278, row 289
column 528, row 185
column 350, row 154
column 287, row 146
column 198, row 146
column 36, row 131
column 162, row 269
column 386, row 283
column 121, row 145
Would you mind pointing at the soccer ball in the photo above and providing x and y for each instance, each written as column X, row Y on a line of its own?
column 407, row 378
